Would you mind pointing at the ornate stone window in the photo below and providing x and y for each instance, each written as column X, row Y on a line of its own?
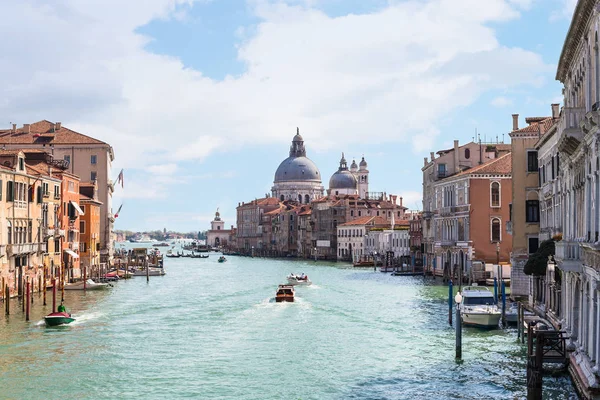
column 496, row 230
column 495, row 194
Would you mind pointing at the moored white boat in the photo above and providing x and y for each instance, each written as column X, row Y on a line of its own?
column 511, row 313
column 151, row 272
column 89, row 285
column 478, row 307
column 302, row 280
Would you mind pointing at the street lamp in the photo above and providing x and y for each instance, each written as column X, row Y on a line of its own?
column 458, row 299
column 315, row 254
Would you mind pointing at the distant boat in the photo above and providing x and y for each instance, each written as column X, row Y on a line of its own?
column 163, row 244
column 89, row 285
column 285, row 293
column 222, row 259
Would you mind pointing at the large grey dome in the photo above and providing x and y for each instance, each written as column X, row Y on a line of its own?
column 297, row 169
column 343, row 180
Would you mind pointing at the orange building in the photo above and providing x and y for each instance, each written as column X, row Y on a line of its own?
column 89, row 227
column 471, row 209
column 69, row 218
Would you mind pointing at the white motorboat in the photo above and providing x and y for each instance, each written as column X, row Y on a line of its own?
column 478, row 307
column 294, row 279
column 151, row 272
column 89, row 285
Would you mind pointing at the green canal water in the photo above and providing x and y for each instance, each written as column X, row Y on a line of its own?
column 212, row 331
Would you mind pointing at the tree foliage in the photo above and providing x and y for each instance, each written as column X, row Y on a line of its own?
column 537, row 262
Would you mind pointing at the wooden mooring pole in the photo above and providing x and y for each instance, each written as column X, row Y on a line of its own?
column 43, row 287
column 54, row 295
column 27, row 294
column 450, row 302
column 7, row 298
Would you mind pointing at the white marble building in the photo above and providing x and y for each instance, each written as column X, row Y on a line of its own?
column 297, row 177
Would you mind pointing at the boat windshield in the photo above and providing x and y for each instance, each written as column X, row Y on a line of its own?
column 478, row 301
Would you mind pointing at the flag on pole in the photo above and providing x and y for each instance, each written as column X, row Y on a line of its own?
column 120, row 178
column 118, row 211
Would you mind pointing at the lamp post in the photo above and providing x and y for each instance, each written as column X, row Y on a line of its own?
column 252, row 254
column 315, row 254
column 458, row 326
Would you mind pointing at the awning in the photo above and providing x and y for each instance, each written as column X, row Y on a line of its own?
column 71, row 253
column 79, row 210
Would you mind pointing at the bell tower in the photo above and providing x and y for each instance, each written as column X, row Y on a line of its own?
column 216, row 224
column 363, row 179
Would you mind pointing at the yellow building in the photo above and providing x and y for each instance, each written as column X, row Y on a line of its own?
column 89, row 228
column 524, row 217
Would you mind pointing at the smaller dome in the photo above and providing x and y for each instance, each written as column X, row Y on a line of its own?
column 343, row 180
column 353, row 166
column 297, row 136
column 363, row 163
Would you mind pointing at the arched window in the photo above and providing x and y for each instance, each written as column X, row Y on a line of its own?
column 307, row 199
column 281, row 198
column 299, row 198
column 495, row 230
column 495, row 194
column 467, row 153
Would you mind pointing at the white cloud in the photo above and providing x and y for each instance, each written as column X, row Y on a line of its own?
column 412, row 199
column 501, row 101
column 391, row 75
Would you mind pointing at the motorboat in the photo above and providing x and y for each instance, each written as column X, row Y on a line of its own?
column 89, row 285
column 151, row 272
column 478, row 307
column 511, row 314
column 222, row 259
column 61, row 317
column 284, row 293
column 294, row 279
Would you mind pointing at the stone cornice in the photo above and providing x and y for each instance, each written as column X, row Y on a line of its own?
column 579, row 22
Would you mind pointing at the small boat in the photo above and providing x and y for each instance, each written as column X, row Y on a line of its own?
column 478, row 307
column 58, row 318
column 199, row 255
column 151, row 272
column 164, row 244
column 284, row 293
column 511, row 316
column 222, row 259
column 89, row 285
column 294, row 279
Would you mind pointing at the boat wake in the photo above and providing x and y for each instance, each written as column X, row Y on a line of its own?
column 80, row 319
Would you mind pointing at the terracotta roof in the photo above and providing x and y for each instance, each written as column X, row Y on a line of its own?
column 500, row 165
column 42, row 132
column 539, row 125
column 367, row 221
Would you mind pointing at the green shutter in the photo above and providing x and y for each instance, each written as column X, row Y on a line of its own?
column 10, row 196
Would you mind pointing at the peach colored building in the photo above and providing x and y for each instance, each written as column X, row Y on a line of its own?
column 89, row 158
column 470, row 210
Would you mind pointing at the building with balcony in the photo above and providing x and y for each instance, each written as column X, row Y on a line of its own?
column 525, row 208
column 69, row 223
column 27, row 212
column 84, row 156
column 576, row 281
column 449, row 162
column 469, row 210
column 352, row 237
column 249, row 223
column 416, row 238
column 89, row 227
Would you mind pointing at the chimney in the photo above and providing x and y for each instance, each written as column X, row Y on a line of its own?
column 57, row 126
column 400, row 201
column 425, row 161
column 432, row 154
column 555, row 111
column 456, row 166
column 515, row 122
column 14, row 128
column 26, row 128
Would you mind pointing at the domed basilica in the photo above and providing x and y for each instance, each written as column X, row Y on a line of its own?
column 299, row 179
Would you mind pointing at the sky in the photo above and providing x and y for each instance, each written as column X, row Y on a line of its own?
column 200, row 99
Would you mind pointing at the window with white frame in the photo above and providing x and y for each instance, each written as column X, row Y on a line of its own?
column 495, row 194
column 496, row 230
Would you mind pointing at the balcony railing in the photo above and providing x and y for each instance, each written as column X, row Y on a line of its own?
column 61, row 232
column 21, row 248
column 570, row 132
column 568, row 254
column 446, row 211
column 49, row 232
column 42, row 247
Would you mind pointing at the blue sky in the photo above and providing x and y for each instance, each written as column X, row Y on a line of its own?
column 200, row 99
